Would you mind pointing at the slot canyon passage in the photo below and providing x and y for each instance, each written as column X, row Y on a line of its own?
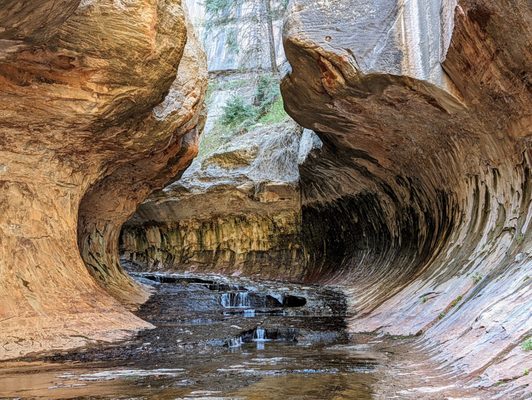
column 168, row 231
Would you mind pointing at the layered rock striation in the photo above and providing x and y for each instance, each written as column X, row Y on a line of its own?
column 235, row 210
column 101, row 104
column 421, row 198
column 237, row 39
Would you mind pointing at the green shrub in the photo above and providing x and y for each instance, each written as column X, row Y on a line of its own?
column 267, row 91
column 455, row 301
column 527, row 344
column 275, row 113
column 238, row 116
column 220, row 6
column 268, row 106
column 476, row 277
column 231, row 40
column 236, row 112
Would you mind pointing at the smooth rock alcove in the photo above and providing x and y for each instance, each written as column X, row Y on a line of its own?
column 421, row 197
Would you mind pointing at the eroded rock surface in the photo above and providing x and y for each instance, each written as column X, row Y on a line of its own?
column 100, row 105
column 421, row 196
column 236, row 210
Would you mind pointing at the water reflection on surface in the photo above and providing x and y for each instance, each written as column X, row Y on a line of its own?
column 305, row 386
column 216, row 338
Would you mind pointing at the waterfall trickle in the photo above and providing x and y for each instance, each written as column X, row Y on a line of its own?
column 235, row 300
column 249, row 313
column 236, row 342
column 259, row 335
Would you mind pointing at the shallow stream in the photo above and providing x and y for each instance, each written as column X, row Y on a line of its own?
column 216, row 338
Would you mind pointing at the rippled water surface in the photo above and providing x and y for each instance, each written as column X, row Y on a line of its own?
column 216, row 338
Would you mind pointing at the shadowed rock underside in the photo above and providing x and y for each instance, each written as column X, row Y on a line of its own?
column 421, row 196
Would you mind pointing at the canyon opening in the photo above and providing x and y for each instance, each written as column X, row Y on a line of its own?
column 265, row 199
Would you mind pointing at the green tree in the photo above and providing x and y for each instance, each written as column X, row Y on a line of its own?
column 236, row 112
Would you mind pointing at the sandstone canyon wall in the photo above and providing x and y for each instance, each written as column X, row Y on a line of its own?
column 236, row 210
column 101, row 103
column 421, row 198
column 237, row 39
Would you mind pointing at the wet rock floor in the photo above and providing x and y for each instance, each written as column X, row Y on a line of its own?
column 221, row 338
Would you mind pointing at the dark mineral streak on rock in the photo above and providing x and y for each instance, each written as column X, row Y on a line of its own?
column 421, row 196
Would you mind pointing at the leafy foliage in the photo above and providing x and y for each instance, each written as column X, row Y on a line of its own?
column 269, row 101
column 476, row 277
column 245, row 110
column 267, row 91
column 231, row 40
column 221, row 7
column 527, row 344
column 275, row 113
column 236, row 112
column 267, row 106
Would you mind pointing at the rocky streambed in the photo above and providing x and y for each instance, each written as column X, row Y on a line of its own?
column 233, row 338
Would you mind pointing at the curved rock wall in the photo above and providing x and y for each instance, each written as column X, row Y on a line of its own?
column 421, row 198
column 93, row 119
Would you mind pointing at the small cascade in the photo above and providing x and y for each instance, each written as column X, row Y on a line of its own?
column 236, row 342
column 225, row 300
column 259, row 335
column 249, row 313
column 235, row 300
